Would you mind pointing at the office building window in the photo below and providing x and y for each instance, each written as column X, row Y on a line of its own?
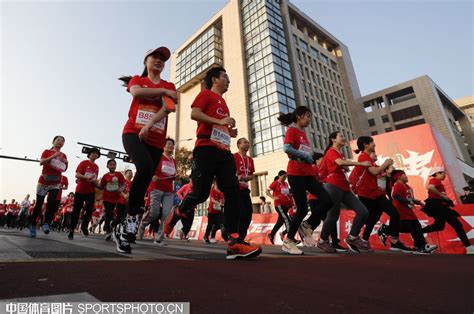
column 371, row 122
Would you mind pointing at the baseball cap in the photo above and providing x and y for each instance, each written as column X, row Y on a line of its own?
column 163, row 50
column 435, row 170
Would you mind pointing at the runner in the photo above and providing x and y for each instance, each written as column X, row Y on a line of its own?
column 332, row 171
column 279, row 191
column 67, row 209
column 318, row 213
column 438, row 206
column 212, row 158
column 3, row 211
column 214, row 213
column 23, row 215
column 404, row 201
column 144, row 135
column 370, row 185
column 161, row 193
column 112, row 184
column 245, row 170
column 299, row 151
column 86, row 174
column 54, row 163
column 173, row 218
column 97, row 214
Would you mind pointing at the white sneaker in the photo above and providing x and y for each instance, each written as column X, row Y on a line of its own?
column 430, row 247
column 160, row 243
column 308, row 239
column 470, row 250
column 289, row 246
column 213, row 240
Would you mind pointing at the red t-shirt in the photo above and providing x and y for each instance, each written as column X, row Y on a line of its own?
column 299, row 141
column 98, row 211
column 184, row 190
column 165, row 173
column 65, row 184
column 213, row 106
column 438, row 185
column 245, row 167
column 335, row 173
column 315, row 174
column 281, row 193
column 51, row 173
column 126, row 190
column 86, row 168
column 367, row 184
column 142, row 110
column 406, row 192
column 112, row 184
column 217, row 195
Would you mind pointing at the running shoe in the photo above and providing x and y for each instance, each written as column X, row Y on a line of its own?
column 237, row 249
column 469, row 250
column 289, row 246
column 399, row 247
column 271, row 237
column 326, row 246
column 46, row 228
column 432, row 247
column 130, row 227
column 85, row 232
column 339, row 248
column 141, row 232
column 308, row 239
column 160, row 243
column 214, row 241
column 356, row 245
column 382, row 233
column 123, row 246
column 206, row 240
column 33, row 231
column 70, row 235
column 421, row 251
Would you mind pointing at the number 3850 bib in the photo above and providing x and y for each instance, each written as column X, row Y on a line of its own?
column 145, row 113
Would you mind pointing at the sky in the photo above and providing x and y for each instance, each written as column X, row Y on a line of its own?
column 60, row 60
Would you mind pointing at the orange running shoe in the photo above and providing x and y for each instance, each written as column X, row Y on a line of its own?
column 237, row 249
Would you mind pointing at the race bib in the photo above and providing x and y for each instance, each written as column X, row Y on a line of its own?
column 244, row 184
column 168, row 168
column 89, row 174
column 112, row 186
column 382, row 183
column 145, row 113
column 220, row 136
column 58, row 164
column 217, row 207
column 285, row 191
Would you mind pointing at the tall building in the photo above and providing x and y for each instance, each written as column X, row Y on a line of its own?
column 420, row 101
column 467, row 105
column 277, row 58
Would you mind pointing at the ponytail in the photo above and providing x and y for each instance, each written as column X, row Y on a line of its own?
column 361, row 142
column 127, row 79
column 292, row 117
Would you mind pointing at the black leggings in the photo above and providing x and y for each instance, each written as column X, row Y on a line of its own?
column 442, row 214
column 318, row 214
column 51, row 207
column 414, row 228
column 245, row 212
column 299, row 185
column 283, row 218
column 146, row 158
column 79, row 200
column 376, row 207
column 214, row 222
column 109, row 215
column 210, row 162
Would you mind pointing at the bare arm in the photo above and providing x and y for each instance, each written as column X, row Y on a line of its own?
column 343, row 162
column 378, row 170
column 152, row 93
column 199, row 116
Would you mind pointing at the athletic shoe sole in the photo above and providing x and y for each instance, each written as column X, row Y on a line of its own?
column 394, row 249
column 284, row 249
column 250, row 254
column 351, row 247
column 421, row 253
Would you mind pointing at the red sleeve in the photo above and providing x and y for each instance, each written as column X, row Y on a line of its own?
column 332, row 155
column 103, row 181
column 290, row 137
column 171, row 86
column 136, row 80
column 273, row 186
column 80, row 168
column 45, row 154
column 201, row 100
column 398, row 190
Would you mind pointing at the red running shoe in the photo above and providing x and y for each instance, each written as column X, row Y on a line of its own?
column 237, row 249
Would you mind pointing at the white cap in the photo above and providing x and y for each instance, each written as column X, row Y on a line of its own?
column 435, row 170
column 163, row 50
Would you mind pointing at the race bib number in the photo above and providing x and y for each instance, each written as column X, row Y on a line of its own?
column 145, row 114
column 58, row 164
column 168, row 168
column 285, row 191
column 112, row 186
column 220, row 136
column 382, row 183
column 89, row 174
column 305, row 149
